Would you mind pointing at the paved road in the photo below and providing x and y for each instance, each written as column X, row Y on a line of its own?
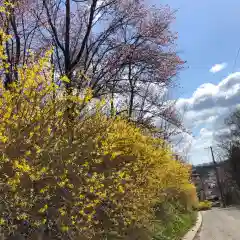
column 220, row 224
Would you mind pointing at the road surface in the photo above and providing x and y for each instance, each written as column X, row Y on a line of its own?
column 220, row 224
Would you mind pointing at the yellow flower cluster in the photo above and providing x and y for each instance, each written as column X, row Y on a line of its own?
column 84, row 177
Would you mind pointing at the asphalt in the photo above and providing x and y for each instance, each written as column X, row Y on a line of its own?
column 220, row 224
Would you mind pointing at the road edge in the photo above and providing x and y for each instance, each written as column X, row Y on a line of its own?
column 191, row 234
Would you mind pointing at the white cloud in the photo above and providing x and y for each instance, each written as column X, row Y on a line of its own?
column 205, row 112
column 209, row 96
column 183, row 142
column 218, row 67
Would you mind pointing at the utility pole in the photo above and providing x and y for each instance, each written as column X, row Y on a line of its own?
column 203, row 189
column 218, row 179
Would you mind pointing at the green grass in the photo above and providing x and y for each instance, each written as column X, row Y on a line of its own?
column 176, row 227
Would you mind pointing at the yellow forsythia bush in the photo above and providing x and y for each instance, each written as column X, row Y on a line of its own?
column 69, row 175
column 204, row 205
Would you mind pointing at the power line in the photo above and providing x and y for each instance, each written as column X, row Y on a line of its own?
column 235, row 61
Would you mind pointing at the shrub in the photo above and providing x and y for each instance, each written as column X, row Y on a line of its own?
column 74, row 173
column 175, row 225
column 205, row 205
column 176, row 215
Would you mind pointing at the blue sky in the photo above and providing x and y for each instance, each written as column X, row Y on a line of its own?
column 209, row 34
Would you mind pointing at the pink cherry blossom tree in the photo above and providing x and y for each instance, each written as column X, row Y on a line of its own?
column 125, row 48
